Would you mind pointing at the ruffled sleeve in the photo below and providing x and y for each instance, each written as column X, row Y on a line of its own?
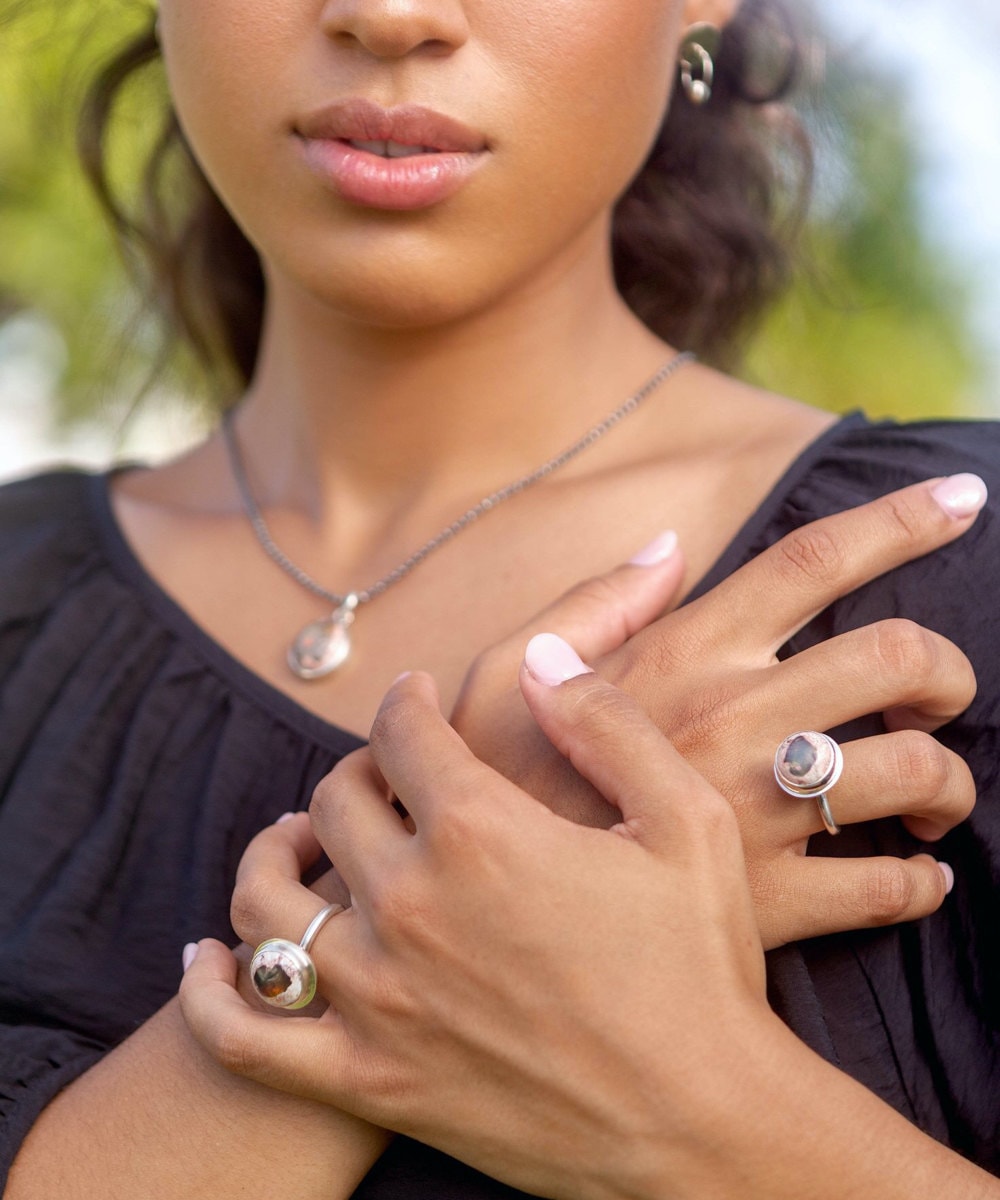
column 136, row 762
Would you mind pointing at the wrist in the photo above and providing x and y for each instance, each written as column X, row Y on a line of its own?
column 784, row 1124
column 710, row 1130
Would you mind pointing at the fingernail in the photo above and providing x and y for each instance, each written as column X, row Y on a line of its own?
column 659, row 550
column 190, row 954
column 400, row 678
column 960, row 495
column 284, row 817
column 552, row 661
column 949, row 877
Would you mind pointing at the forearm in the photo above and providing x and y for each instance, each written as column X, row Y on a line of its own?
column 793, row 1127
column 158, row 1115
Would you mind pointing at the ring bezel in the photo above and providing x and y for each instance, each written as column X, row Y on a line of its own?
column 282, row 958
column 817, row 788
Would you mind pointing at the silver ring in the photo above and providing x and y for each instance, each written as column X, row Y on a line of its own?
column 282, row 972
column 807, row 765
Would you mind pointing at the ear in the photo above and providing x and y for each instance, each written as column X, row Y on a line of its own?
column 711, row 12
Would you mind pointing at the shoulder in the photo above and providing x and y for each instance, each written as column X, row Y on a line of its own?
column 861, row 460
column 951, row 591
column 47, row 533
column 858, row 461
column 27, row 502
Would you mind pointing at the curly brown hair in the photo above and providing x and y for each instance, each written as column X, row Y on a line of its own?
column 701, row 239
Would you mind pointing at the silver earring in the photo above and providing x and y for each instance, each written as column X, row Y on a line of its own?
column 697, row 64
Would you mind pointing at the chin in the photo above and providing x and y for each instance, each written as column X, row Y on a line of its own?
column 406, row 293
column 405, row 305
column 428, row 271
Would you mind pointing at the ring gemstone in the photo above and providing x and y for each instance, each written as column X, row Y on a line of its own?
column 806, row 764
column 283, row 974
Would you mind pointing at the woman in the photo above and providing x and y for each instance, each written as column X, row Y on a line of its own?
column 426, row 193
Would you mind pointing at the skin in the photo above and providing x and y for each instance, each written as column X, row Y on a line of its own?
column 598, row 1076
column 362, row 441
column 357, row 426
column 161, row 1107
column 730, row 701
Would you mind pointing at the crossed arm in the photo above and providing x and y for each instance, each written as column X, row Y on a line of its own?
column 159, row 1107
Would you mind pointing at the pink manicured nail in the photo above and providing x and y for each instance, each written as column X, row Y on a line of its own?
column 283, row 818
column 552, row 661
column 190, row 954
column 659, row 550
column 960, row 495
column 949, row 876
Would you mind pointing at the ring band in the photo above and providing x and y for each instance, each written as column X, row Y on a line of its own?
column 807, row 765
column 825, row 815
column 282, row 972
column 317, row 923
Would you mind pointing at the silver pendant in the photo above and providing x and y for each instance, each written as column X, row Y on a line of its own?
column 325, row 645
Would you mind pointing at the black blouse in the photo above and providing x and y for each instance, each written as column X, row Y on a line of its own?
column 137, row 759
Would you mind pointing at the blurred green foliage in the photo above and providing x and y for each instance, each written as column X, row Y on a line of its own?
column 56, row 254
column 876, row 318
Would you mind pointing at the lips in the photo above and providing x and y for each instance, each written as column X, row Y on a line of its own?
column 391, row 149
column 359, row 120
column 401, row 159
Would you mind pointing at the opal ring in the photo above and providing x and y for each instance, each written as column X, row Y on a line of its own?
column 807, row 765
column 282, row 972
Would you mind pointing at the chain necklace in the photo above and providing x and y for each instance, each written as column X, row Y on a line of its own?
column 324, row 645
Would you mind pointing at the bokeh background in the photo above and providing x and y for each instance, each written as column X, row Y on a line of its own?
column 896, row 308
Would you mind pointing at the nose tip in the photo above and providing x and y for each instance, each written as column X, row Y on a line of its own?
column 392, row 29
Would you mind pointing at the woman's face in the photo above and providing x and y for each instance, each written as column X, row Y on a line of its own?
column 531, row 117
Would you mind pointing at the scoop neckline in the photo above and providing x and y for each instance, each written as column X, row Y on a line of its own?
column 128, row 566
column 123, row 558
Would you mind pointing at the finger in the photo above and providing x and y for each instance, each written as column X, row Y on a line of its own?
column 906, row 774
column 302, row 1056
column 613, row 744
column 269, row 899
column 817, row 896
column 826, row 559
column 289, row 846
column 602, row 613
column 421, row 757
column 923, row 679
column 353, row 816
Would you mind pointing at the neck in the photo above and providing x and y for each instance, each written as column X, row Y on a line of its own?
column 386, row 415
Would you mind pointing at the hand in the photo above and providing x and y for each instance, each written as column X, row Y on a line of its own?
column 709, row 677
column 301, row 853
column 578, row 1012
column 596, row 986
